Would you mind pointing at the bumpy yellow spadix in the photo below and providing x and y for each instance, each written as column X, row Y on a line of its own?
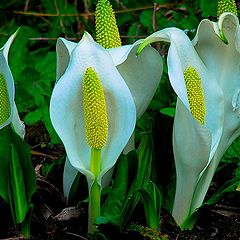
column 4, row 101
column 226, row 6
column 95, row 111
column 107, row 34
column 195, row 94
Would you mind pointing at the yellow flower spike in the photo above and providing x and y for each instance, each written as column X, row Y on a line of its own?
column 195, row 94
column 94, row 110
column 226, row 6
column 107, row 34
column 4, row 101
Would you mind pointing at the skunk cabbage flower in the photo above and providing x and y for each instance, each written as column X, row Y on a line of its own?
column 8, row 109
column 136, row 72
column 205, row 74
column 17, row 176
column 141, row 74
column 88, row 82
column 71, row 113
column 224, row 61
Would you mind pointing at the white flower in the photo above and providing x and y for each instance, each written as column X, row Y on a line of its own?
column 8, row 109
column 141, row 74
column 205, row 74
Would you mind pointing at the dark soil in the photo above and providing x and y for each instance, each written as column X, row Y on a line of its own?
column 52, row 219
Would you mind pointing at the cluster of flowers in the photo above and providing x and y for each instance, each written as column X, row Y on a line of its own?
column 101, row 91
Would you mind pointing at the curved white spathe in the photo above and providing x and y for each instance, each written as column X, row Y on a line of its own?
column 7, row 74
column 66, row 107
column 141, row 74
column 224, row 63
column 218, row 65
column 64, row 49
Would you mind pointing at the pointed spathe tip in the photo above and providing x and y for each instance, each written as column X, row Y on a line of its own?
column 86, row 35
column 14, row 35
column 223, row 37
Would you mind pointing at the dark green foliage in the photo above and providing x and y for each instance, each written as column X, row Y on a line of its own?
column 18, row 181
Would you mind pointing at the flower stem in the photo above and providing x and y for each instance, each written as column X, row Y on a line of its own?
column 25, row 229
column 94, row 191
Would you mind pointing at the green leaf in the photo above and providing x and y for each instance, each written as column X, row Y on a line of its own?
column 209, row 8
column 18, row 191
column 149, row 208
column 232, row 154
column 190, row 222
column 141, row 179
column 156, row 195
column 113, row 205
column 56, row 165
column 24, row 155
column 42, row 114
column 33, row 117
column 5, row 150
column 22, row 178
column 229, row 186
column 146, row 19
column 169, row 111
column 18, row 182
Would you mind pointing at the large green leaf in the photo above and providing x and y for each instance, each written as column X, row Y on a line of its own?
column 18, row 181
column 5, row 149
column 229, row 186
column 141, row 179
column 152, row 199
column 17, row 195
column 209, row 8
column 112, row 207
column 23, row 152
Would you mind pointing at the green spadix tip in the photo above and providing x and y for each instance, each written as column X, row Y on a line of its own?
column 223, row 37
column 107, row 34
column 141, row 47
column 226, row 6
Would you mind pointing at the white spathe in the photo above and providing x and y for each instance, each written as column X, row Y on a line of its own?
column 224, row 63
column 67, row 113
column 8, row 77
column 199, row 148
column 141, row 74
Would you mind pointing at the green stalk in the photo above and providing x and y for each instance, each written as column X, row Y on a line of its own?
column 25, row 229
column 94, row 191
